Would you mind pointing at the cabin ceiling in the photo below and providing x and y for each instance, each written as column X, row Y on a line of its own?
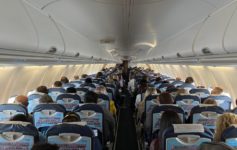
column 132, row 28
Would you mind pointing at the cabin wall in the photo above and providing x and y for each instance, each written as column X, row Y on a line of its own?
column 15, row 80
column 207, row 76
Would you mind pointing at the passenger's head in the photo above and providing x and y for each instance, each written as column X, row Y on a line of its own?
column 42, row 89
column 165, row 98
column 88, row 80
column 71, row 117
column 224, row 121
column 19, row 117
column 71, row 90
column 64, row 79
column 57, row 84
column 46, row 99
column 101, row 90
column 21, row 99
column 178, row 79
column 84, row 76
column 182, row 91
column 158, row 79
column 99, row 75
column 210, row 101
column 168, row 118
column 217, row 91
column 150, row 91
column 91, row 97
column 189, row 80
column 76, row 77
column 45, row 146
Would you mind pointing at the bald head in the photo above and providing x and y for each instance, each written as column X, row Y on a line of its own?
column 21, row 99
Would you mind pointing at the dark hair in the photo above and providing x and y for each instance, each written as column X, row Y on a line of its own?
column 57, row 84
column 42, row 89
column 99, row 75
column 46, row 99
column 71, row 90
column 189, row 80
column 158, row 79
column 71, row 117
column 45, row 146
column 90, row 97
column 166, row 98
column 64, row 79
column 88, row 80
column 84, row 75
column 19, row 117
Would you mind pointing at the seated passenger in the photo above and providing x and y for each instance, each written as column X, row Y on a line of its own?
column 88, row 83
column 57, row 84
column 72, row 117
column 41, row 90
column 19, row 117
column 45, row 99
column 210, row 101
column 44, row 146
column 168, row 118
column 21, row 99
column 216, row 91
column 224, row 121
column 189, row 84
column 64, row 80
column 76, row 77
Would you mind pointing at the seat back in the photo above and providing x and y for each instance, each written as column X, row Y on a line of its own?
column 76, row 83
column 222, row 101
column 104, row 101
column 81, row 92
column 54, row 92
column 68, row 85
column 200, row 92
column 46, row 115
column 229, row 136
column 163, row 87
column 157, row 113
column 177, row 83
column 17, row 135
column 185, row 136
column 9, row 110
column 33, row 101
column 150, row 102
column 71, row 136
column 206, row 115
column 187, row 86
column 69, row 101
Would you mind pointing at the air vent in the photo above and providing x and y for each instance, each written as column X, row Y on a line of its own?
column 179, row 55
column 77, row 54
column 206, row 51
column 52, row 50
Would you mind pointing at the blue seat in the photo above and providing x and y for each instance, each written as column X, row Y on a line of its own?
column 187, row 86
column 54, row 92
column 150, row 102
column 185, row 136
column 93, row 114
column 17, row 135
column 69, row 101
column 200, row 92
column 68, row 85
column 110, row 93
column 71, row 137
column 9, row 110
column 33, row 101
column 205, row 115
column 229, row 136
column 177, row 83
column 222, row 101
column 104, row 101
column 77, row 83
column 187, row 102
column 164, row 86
column 46, row 115
column 157, row 112
column 81, row 92
column 90, row 87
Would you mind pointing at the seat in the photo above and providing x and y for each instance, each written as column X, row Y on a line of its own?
column 81, row 92
column 104, row 101
column 150, row 102
column 185, row 136
column 177, row 83
column 187, row 86
column 110, row 93
column 90, row 86
column 187, row 102
column 205, row 115
column 54, row 92
column 163, row 87
column 93, row 115
column 69, row 101
column 68, row 85
column 33, row 101
column 9, row 110
column 157, row 112
column 200, row 92
column 71, row 136
column 229, row 136
column 17, row 135
column 77, row 83
column 46, row 115
column 222, row 101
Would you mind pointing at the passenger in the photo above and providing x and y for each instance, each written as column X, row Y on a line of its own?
column 189, row 84
column 64, row 80
column 71, row 117
column 168, row 118
column 42, row 89
column 216, row 91
column 210, row 101
column 21, row 99
column 131, row 83
column 165, row 98
column 71, row 90
column 178, row 79
column 92, row 97
column 141, row 91
column 45, row 99
column 19, row 117
column 99, row 75
column 57, row 84
column 76, row 77
column 182, row 91
column 84, row 76
column 45, row 146
column 224, row 121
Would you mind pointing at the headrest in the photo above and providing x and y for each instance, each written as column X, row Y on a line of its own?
column 16, row 123
column 188, row 128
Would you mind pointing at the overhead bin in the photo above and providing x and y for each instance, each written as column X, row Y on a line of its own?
column 47, row 31
column 210, row 36
column 16, row 29
column 230, row 38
